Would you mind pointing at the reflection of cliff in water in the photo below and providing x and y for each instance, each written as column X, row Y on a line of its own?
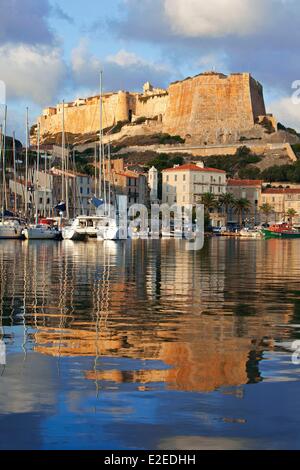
column 201, row 315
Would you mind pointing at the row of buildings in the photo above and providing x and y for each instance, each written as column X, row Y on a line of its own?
column 182, row 184
column 46, row 189
column 187, row 183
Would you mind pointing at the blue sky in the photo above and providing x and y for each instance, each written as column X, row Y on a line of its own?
column 52, row 50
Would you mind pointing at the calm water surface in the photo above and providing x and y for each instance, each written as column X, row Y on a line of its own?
column 146, row 345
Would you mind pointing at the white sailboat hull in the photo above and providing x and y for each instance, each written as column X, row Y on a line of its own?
column 69, row 233
column 10, row 232
column 108, row 233
column 41, row 233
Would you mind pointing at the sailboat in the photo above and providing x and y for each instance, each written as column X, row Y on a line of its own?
column 39, row 231
column 83, row 226
column 10, row 227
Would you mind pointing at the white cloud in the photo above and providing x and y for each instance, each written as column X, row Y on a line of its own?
column 31, row 72
column 124, row 58
column 287, row 112
column 215, row 18
column 124, row 70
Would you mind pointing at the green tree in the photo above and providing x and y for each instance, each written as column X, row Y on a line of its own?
column 241, row 205
column 267, row 210
column 210, row 202
column 291, row 214
column 226, row 201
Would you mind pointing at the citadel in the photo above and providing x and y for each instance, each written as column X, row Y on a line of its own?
column 210, row 108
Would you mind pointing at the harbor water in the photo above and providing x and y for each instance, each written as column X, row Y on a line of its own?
column 145, row 345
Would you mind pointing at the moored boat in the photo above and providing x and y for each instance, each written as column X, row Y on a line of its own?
column 250, row 233
column 41, row 232
column 11, row 228
column 283, row 230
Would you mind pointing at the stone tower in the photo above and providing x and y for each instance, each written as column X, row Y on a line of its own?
column 153, row 184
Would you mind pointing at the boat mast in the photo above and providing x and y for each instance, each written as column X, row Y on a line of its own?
column 1, row 160
column 46, row 183
column 37, row 176
column 3, row 143
column 26, row 166
column 67, row 184
column 4, row 162
column 15, row 173
column 109, row 176
column 63, row 155
column 2, row 192
column 100, row 137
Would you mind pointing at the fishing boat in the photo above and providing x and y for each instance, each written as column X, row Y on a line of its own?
column 283, row 230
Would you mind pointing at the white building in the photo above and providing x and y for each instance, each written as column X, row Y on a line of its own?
column 153, row 184
column 187, row 183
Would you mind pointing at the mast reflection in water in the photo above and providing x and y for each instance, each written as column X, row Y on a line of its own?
column 143, row 344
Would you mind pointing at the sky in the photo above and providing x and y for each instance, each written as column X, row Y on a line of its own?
column 52, row 50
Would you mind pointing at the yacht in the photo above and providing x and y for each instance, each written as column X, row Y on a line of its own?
column 11, row 228
column 41, row 232
column 109, row 230
column 84, row 227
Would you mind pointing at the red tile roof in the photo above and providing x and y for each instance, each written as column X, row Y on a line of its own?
column 281, row 191
column 128, row 174
column 234, row 182
column 193, row 167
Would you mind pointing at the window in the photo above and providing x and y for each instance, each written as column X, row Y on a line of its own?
column 175, row 178
column 184, row 177
column 41, row 200
column 183, row 198
column 220, row 179
column 167, row 178
column 81, row 190
column 48, row 200
column 167, row 199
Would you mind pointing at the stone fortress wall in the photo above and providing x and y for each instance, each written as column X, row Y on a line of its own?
column 209, row 106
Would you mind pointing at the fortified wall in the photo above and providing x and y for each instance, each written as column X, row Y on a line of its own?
column 207, row 106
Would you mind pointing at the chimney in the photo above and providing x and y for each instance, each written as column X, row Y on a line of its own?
column 200, row 164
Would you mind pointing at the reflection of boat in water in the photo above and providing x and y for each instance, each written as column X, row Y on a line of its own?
column 11, row 228
column 283, row 230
